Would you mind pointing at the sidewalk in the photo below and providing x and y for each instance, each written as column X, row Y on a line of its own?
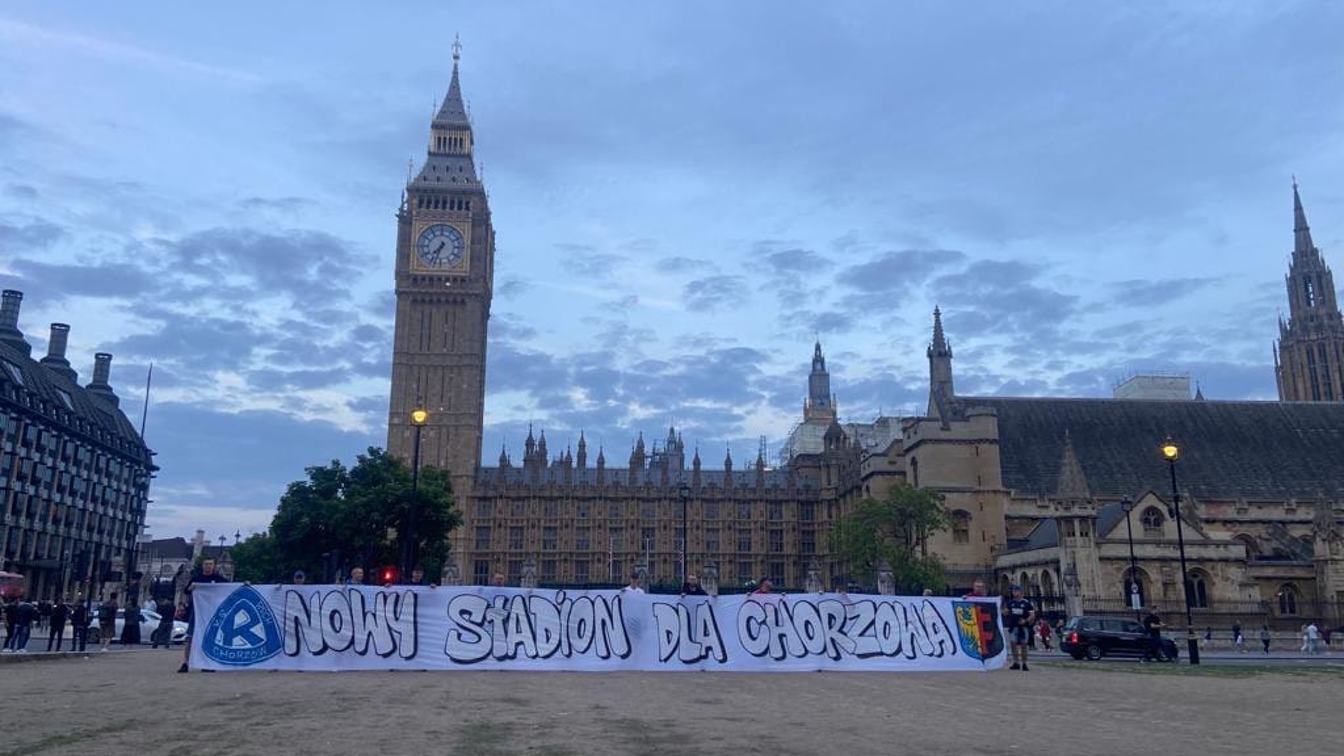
column 1219, row 654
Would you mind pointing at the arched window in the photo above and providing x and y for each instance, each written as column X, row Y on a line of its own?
column 961, row 526
column 1287, row 599
column 1252, row 546
column 1199, row 590
column 1003, row 585
column 1024, row 580
column 914, row 472
column 1135, row 578
column 1152, row 520
column 1047, row 583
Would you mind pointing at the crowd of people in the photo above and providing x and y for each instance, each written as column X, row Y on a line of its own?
column 24, row 620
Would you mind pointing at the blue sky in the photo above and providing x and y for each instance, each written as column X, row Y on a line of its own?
column 684, row 195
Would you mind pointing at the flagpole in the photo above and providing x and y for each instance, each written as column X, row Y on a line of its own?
column 144, row 412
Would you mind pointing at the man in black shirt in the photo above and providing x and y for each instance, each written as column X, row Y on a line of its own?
column 60, row 612
column 1019, row 616
column 206, row 575
column 79, row 620
column 692, row 586
column 1152, row 624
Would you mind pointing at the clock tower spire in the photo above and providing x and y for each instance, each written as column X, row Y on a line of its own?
column 444, row 278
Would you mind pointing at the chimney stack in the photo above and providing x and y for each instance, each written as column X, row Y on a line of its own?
column 102, row 371
column 9, row 321
column 55, row 359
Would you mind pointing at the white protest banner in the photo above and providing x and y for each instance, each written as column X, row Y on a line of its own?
column 313, row 628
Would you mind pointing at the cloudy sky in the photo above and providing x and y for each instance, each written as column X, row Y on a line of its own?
column 684, row 195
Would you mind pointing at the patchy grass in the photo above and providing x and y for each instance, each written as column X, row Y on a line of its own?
column 73, row 737
column 484, row 739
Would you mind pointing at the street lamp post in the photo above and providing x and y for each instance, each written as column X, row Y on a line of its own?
column 419, row 416
column 1172, row 452
column 684, row 491
column 1127, row 504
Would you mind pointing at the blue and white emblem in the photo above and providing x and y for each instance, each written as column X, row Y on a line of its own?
column 243, row 630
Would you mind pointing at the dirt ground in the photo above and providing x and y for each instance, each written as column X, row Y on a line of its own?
column 134, row 703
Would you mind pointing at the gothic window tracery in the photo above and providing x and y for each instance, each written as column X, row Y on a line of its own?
column 961, row 526
column 1152, row 522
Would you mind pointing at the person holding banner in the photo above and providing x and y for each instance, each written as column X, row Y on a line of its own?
column 765, row 586
column 692, row 586
column 1020, row 616
column 207, row 575
column 634, row 586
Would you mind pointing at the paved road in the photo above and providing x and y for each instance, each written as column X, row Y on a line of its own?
column 134, row 703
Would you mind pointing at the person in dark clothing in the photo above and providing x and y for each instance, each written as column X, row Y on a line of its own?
column 130, row 628
column 24, row 618
column 107, row 621
column 60, row 612
column 1020, row 615
column 43, row 614
column 11, row 614
column 163, row 633
column 1152, row 624
column 79, row 631
column 692, row 586
column 206, row 575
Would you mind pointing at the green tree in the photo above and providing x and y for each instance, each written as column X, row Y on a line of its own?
column 254, row 559
column 352, row 517
column 896, row 529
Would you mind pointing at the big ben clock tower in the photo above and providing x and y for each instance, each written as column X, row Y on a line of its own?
column 444, row 275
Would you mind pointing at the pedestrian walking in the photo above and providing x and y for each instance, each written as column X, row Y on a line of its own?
column 1264, row 637
column 107, row 621
column 1238, row 640
column 1043, row 630
column 163, row 633
column 208, row 575
column 11, row 615
column 60, row 612
column 1152, row 625
column 1313, row 635
column 79, row 621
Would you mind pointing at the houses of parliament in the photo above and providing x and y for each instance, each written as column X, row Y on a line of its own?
column 1041, row 491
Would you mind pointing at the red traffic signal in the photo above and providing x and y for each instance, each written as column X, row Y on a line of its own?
column 389, row 575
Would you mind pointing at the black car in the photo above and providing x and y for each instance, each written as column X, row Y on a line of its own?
column 1095, row 637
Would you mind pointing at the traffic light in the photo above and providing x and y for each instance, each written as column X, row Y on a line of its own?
column 389, row 575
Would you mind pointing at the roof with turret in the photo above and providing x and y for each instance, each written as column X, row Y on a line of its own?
column 35, row 387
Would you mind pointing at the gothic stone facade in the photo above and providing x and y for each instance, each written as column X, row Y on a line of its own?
column 1258, row 479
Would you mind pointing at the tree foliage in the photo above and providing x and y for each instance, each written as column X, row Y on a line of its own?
column 895, row 529
column 342, row 517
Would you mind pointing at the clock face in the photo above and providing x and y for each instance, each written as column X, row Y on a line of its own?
column 440, row 246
